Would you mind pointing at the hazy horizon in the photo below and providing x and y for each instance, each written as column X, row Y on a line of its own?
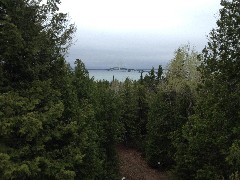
column 137, row 34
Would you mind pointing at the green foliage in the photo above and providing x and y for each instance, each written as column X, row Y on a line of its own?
column 170, row 107
column 182, row 70
column 49, row 128
column 168, row 113
column 212, row 133
column 57, row 123
column 107, row 114
column 81, row 81
column 31, row 131
column 129, row 113
column 34, row 38
column 160, row 125
column 143, row 110
column 159, row 73
column 150, row 80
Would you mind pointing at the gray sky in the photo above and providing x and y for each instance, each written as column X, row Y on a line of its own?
column 137, row 33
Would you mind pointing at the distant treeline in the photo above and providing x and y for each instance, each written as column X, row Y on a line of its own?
column 57, row 123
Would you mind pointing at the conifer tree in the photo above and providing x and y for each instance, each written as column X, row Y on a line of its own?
column 170, row 108
column 159, row 73
column 46, row 131
column 129, row 112
column 107, row 114
column 34, row 38
column 143, row 109
column 211, row 148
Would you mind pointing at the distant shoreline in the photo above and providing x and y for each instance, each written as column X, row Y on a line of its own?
column 110, row 69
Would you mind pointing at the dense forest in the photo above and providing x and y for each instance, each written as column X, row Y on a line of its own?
column 58, row 123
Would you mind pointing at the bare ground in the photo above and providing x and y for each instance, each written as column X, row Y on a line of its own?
column 134, row 167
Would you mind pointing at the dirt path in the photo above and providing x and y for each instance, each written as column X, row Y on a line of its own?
column 134, row 167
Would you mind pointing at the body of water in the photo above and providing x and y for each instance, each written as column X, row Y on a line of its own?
column 118, row 75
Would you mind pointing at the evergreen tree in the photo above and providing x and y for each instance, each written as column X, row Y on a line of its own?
column 159, row 73
column 211, row 148
column 34, row 38
column 107, row 114
column 81, row 81
column 169, row 109
column 129, row 113
column 47, row 131
column 160, row 124
column 143, row 109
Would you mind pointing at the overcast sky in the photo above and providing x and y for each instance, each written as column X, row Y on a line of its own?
column 137, row 33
